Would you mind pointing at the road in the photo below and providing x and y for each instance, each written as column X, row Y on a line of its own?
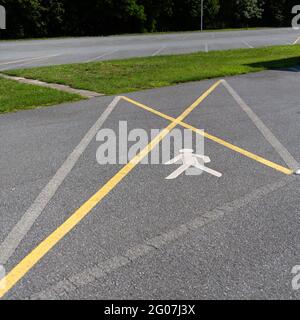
column 21, row 54
column 145, row 237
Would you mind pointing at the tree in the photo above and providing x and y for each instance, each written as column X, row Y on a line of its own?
column 158, row 14
column 211, row 10
column 187, row 14
column 101, row 17
column 42, row 18
column 247, row 10
column 52, row 14
column 279, row 14
column 23, row 18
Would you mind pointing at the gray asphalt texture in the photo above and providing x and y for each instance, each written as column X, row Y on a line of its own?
column 245, row 249
column 23, row 54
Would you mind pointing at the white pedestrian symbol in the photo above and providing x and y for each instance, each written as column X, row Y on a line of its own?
column 189, row 161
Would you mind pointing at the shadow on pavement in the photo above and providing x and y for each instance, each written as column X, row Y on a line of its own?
column 288, row 64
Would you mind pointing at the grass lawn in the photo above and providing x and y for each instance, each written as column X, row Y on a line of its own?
column 16, row 96
column 121, row 76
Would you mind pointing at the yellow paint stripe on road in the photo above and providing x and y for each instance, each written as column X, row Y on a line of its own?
column 215, row 139
column 19, row 271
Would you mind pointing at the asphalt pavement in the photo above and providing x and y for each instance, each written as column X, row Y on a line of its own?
column 30, row 53
column 194, row 237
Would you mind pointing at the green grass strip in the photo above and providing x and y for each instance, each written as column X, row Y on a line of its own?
column 18, row 96
column 122, row 76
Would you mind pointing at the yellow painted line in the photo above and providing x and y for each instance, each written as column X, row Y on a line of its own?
column 215, row 139
column 21, row 269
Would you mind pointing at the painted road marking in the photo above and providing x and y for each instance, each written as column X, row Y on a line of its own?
column 159, row 51
column 66, row 287
column 21, row 269
column 103, row 55
column 188, row 160
column 42, row 58
column 296, row 41
column 206, row 47
column 265, row 131
column 247, row 44
column 17, row 234
column 16, row 61
column 28, row 61
column 215, row 139
column 2, row 276
column 21, row 60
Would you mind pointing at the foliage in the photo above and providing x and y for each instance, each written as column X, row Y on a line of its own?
column 47, row 18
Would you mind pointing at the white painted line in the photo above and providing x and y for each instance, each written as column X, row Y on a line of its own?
column 64, row 288
column 158, row 51
column 206, row 47
column 32, row 60
column 41, row 58
column 296, row 41
column 189, row 159
column 247, row 44
column 103, row 55
column 17, row 234
column 17, row 61
column 266, row 132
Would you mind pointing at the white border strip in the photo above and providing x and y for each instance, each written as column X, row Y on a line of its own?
column 64, row 288
column 17, row 234
column 266, row 132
